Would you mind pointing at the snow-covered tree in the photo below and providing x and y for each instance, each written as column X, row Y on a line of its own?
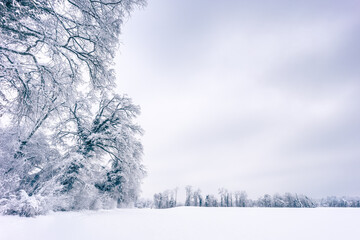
column 265, row 201
column 278, row 201
column 108, row 140
column 225, row 198
column 165, row 199
column 56, row 59
column 196, row 197
column 241, row 199
column 211, row 201
column 189, row 195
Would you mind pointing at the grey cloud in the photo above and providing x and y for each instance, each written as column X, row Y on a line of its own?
column 254, row 95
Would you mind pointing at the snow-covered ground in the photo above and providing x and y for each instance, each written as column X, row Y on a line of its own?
column 188, row 223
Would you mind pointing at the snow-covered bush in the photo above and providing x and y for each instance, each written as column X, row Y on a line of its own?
column 21, row 204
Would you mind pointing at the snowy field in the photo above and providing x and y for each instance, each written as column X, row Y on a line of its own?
column 188, row 223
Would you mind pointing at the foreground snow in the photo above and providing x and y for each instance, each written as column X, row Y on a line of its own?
column 188, row 223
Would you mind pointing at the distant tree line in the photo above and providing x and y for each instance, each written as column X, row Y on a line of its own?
column 194, row 197
column 340, row 202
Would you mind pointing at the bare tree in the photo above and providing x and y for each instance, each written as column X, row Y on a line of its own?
column 175, row 192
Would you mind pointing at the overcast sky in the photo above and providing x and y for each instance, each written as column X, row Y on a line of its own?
column 262, row 96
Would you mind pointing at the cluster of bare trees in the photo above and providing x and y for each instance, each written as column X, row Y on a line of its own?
column 166, row 199
column 240, row 199
column 227, row 198
column 340, row 202
column 193, row 197
column 286, row 200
